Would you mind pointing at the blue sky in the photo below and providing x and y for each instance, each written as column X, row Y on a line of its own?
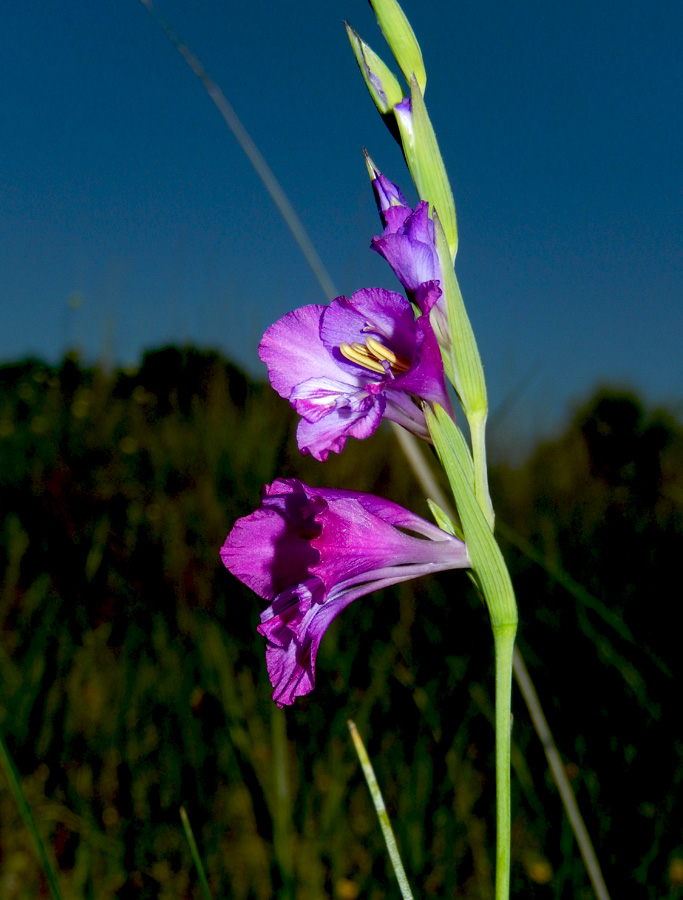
column 560, row 125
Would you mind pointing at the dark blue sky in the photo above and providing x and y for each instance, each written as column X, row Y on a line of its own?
column 560, row 124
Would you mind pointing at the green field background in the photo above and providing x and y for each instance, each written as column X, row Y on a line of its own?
column 133, row 680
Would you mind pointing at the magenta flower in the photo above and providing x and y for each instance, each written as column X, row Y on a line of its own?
column 313, row 551
column 407, row 242
column 345, row 366
column 408, row 245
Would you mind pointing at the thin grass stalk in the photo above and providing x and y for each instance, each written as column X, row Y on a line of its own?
column 253, row 154
column 559, row 774
column 196, row 858
column 381, row 811
column 15, row 787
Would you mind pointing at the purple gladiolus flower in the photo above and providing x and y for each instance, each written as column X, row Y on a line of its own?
column 407, row 243
column 387, row 193
column 311, row 552
column 345, row 366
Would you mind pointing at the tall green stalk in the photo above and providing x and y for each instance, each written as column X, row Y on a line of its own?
column 504, row 642
column 493, row 580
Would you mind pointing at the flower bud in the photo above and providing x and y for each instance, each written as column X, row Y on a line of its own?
column 386, row 192
column 380, row 80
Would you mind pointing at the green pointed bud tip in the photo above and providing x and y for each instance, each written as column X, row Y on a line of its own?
column 379, row 79
column 373, row 171
column 400, row 36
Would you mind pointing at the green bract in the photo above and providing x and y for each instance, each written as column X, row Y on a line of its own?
column 401, row 38
column 442, row 520
column 487, row 561
column 425, row 163
column 379, row 79
column 467, row 369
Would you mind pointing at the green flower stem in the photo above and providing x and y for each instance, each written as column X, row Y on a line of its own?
column 493, row 579
column 504, row 642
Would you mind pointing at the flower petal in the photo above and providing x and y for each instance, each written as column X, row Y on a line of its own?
column 293, row 642
column 268, row 551
column 355, row 415
column 370, row 312
column 387, row 194
column 293, row 351
column 312, row 551
column 407, row 244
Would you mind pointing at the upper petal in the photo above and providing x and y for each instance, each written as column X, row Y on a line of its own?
column 370, row 312
column 293, row 351
column 269, row 551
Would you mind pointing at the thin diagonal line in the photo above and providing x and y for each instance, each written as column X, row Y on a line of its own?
column 254, row 155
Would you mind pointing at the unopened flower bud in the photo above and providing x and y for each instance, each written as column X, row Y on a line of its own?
column 380, row 80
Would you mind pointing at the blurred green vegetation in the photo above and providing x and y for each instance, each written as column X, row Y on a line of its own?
column 133, row 680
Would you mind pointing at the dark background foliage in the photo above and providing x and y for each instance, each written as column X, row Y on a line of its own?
column 133, row 679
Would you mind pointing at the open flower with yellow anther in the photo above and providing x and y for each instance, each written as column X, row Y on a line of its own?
column 345, row 366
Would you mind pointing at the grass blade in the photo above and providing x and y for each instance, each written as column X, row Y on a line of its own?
column 15, row 787
column 195, row 853
column 381, row 811
column 254, row 155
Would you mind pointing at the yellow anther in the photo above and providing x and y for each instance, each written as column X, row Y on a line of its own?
column 372, row 354
column 380, row 352
column 361, row 357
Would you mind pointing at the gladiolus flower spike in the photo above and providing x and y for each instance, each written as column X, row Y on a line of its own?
column 311, row 552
